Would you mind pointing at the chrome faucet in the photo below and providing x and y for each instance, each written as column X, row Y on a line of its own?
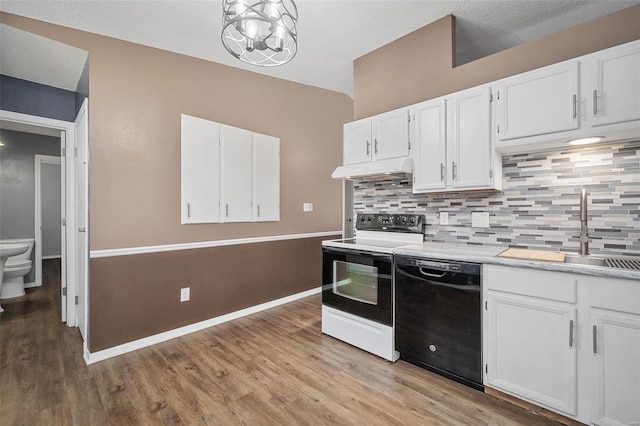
column 584, row 230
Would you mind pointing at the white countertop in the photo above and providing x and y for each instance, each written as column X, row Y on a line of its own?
column 488, row 255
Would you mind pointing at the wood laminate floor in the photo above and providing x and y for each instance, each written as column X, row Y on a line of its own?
column 271, row 368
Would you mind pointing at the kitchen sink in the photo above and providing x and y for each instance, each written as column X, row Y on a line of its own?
column 618, row 262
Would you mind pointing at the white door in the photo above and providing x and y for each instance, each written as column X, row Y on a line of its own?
column 82, row 216
column 200, row 177
column 616, row 95
column 429, row 146
column 539, row 102
column 357, row 142
column 532, row 352
column 469, row 139
column 391, row 134
column 616, row 354
column 236, row 174
column 266, row 178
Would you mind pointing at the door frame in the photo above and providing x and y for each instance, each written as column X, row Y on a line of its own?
column 67, row 140
column 39, row 161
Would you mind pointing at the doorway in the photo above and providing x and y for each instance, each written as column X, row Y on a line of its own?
column 69, row 252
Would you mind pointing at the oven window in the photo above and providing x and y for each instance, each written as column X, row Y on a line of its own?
column 355, row 281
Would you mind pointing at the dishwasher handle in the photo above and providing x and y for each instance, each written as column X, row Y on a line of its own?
column 431, row 274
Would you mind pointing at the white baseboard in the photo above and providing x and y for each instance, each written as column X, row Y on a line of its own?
column 91, row 358
column 31, row 285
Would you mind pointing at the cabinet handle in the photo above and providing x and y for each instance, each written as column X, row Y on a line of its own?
column 188, row 209
column 575, row 106
column 258, row 210
column 595, row 102
column 595, row 339
column 226, row 210
column 442, row 171
column 571, row 333
column 375, row 146
column 453, row 170
column 368, row 147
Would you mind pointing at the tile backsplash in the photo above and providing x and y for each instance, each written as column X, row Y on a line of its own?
column 539, row 204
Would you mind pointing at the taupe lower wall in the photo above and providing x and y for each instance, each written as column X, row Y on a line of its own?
column 419, row 66
column 137, row 296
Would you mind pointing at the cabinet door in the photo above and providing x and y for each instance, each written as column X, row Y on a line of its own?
column 357, row 142
column 236, row 167
column 266, row 178
column 539, row 102
column 391, row 135
column 200, row 179
column 532, row 352
column 616, row 385
column 616, row 95
column 429, row 146
column 469, row 139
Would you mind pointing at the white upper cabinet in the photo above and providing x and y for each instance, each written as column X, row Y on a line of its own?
column 357, row 142
column 538, row 102
column 380, row 137
column 429, row 133
column 228, row 174
column 453, row 148
column 391, row 134
column 235, row 174
column 593, row 95
column 470, row 139
column 616, row 91
column 200, row 181
column 266, row 178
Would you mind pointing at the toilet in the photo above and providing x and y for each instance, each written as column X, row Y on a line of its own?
column 15, row 269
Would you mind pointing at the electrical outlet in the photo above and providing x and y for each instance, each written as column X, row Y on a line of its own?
column 444, row 218
column 480, row 220
column 185, row 294
column 307, row 207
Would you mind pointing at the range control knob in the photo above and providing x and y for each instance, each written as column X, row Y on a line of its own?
column 404, row 219
column 412, row 220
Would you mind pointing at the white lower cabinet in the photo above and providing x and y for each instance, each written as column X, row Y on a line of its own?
column 567, row 342
column 531, row 351
column 614, row 349
column 616, row 385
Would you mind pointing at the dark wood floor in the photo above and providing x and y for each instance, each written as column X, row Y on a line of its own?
column 275, row 367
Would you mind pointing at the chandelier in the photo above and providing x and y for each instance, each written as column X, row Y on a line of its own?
column 260, row 32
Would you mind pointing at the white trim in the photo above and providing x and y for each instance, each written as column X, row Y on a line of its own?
column 67, row 134
column 95, row 254
column 37, row 230
column 91, row 358
column 54, row 256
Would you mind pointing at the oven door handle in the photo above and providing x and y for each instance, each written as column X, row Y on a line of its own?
column 432, row 275
column 355, row 252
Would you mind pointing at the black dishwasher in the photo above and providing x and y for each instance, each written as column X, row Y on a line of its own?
column 438, row 317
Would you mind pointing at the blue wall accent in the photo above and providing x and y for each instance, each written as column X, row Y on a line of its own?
column 31, row 98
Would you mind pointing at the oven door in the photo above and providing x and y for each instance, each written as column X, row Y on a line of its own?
column 359, row 283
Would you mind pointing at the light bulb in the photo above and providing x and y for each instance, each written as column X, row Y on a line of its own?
column 585, row 141
column 252, row 29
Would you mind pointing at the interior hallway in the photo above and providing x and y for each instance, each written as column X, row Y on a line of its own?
column 274, row 367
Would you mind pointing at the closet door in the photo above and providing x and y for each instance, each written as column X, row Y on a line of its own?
column 236, row 174
column 266, row 178
column 200, row 180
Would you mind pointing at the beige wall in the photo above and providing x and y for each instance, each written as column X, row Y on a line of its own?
column 137, row 94
column 420, row 65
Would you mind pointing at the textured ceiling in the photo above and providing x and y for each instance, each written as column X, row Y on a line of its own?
column 331, row 33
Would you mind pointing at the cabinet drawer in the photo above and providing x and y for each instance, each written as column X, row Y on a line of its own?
column 529, row 282
column 614, row 293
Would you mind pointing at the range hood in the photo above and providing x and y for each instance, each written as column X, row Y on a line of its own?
column 394, row 168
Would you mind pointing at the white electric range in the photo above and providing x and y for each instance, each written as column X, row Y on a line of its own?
column 358, row 286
